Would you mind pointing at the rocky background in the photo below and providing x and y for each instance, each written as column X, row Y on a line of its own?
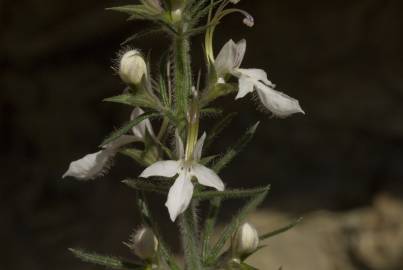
column 340, row 166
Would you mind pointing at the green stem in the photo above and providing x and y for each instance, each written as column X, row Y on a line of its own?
column 190, row 240
column 183, row 73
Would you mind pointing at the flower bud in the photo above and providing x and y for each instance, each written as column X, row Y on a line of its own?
column 132, row 67
column 246, row 240
column 144, row 243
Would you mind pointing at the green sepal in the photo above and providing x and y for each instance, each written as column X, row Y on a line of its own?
column 127, row 127
column 233, row 226
column 230, row 194
column 245, row 256
column 136, row 155
column 107, row 261
column 139, row 99
column 218, row 90
column 233, row 151
column 281, row 230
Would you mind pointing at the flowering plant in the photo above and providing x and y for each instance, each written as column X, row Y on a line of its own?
column 177, row 100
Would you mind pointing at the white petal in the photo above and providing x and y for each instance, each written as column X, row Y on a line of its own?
column 180, row 152
column 90, row 166
column 121, row 141
column 197, row 152
column 255, row 75
column 139, row 130
column 225, row 60
column 207, row 177
column 246, row 85
column 240, row 53
column 166, row 168
column 179, row 195
column 277, row 102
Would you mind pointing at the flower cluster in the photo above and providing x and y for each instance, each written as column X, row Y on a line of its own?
column 183, row 173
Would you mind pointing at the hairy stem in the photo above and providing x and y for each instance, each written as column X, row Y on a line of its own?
column 183, row 73
column 190, row 240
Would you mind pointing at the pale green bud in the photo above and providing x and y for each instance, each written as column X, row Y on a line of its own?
column 246, row 240
column 132, row 67
column 144, row 243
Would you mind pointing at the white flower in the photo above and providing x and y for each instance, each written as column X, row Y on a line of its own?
column 95, row 164
column 180, row 194
column 246, row 240
column 229, row 61
column 132, row 67
column 144, row 243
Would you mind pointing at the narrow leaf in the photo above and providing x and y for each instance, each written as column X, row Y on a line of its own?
column 218, row 128
column 232, row 152
column 127, row 127
column 107, row 261
column 281, row 230
column 230, row 194
column 233, row 225
column 145, row 185
column 140, row 99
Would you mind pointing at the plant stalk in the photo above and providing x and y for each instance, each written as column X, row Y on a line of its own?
column 190, row 240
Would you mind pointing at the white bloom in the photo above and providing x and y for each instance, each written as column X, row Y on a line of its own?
column 246, row 240
column 228, row 62
column 180, row 194
column 144, row 243
column 93, row 165
column 132, row 67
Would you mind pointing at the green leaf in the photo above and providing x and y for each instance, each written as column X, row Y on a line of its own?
column 146, row 185
column 209, row 223
column 230, row 194
column 127, row 127
column 107, row 261
column 164, row 79
column 218, row 128
column 141, row 12
column 232, row 152
column 206, row 160
column 233, row 226
column 139, row 99
column 281, row 230
column 211, row 112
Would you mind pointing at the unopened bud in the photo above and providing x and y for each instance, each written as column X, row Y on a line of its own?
column 246, row 240
column 132, row 67
column 249, row 20
column 144, row 243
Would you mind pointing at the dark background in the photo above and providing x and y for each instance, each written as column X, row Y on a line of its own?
column 341, row 59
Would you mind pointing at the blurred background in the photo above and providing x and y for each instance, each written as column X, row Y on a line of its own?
column 340, row 166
